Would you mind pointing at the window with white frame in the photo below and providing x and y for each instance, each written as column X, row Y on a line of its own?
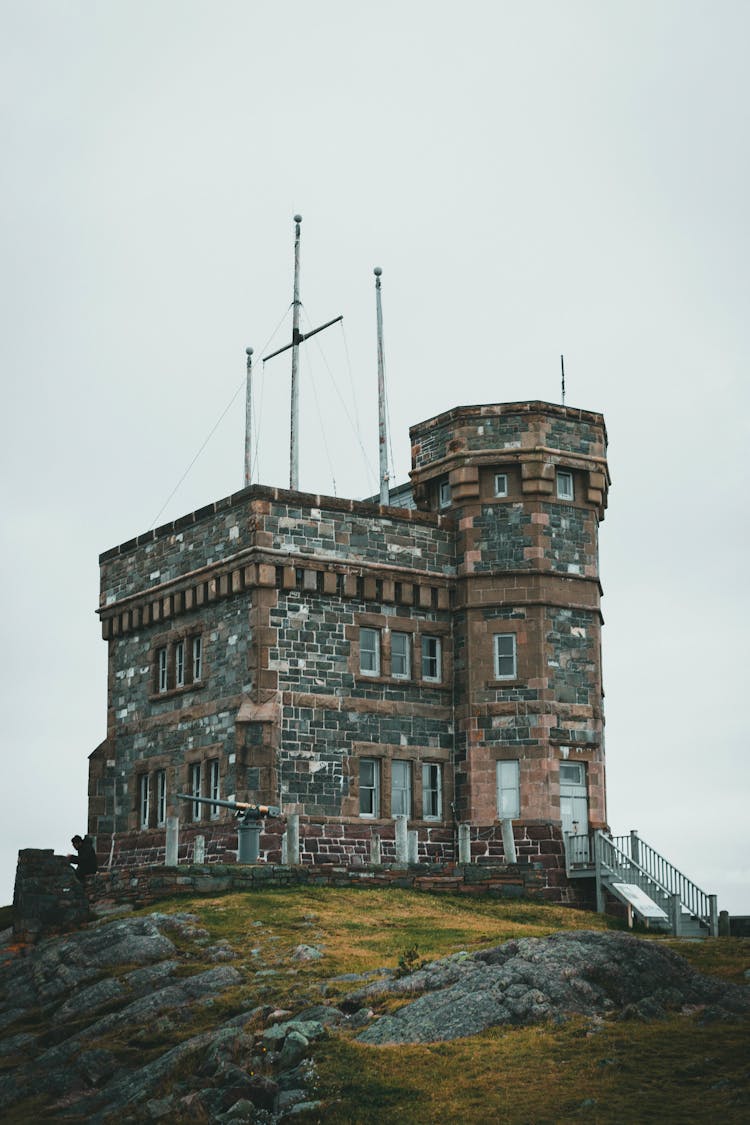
column 400, row 656
column 508, row 790
column 161, row 797
column 179, row 664
column 431, row 658
column 432, row 791
column 505, row 656
column 161, row 669
column 195, row 790
column 400, row 788
column 144, row 804
column 369, row 787
column 501, row 484
column 213, row 787
column 564, row 484
column 197, row 659
column 369, row 652
column 444, row 493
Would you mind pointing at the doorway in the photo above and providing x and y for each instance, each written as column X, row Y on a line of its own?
column 574, row 809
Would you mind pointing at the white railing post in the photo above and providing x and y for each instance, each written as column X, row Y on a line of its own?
column 509, row 843
column 402, row 838
column 292, row 838
column 172, row 846
column 376, row 854
column 464, row 843
column 413, row 846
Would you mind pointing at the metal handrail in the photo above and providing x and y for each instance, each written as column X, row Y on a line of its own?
column 634, row 855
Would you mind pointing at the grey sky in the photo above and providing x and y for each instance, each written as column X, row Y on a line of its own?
column 533, row 179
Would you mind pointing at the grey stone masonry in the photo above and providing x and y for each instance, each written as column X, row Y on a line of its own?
column 352, row 663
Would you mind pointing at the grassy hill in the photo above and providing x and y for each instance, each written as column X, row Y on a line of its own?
column 677, row 1069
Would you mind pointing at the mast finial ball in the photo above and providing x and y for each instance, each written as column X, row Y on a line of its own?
column 298, row 218
column 248, row 351
column 377, row 271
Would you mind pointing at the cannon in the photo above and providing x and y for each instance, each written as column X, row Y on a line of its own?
column 248, row 822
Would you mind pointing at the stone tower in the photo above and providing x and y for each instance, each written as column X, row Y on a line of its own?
column 527, row 485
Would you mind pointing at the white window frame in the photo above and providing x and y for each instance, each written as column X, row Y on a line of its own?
column 160, row 779
column 444, row 494
column 400, row 787
column 179, row 664
column 196, row 776
column 406, row 654
column 500, row 642
column 508, row 775
column 501, row 489
column 144, row 800
column 371, row 652
column 372, row 786
column 435, row 657
column 432, row 783
column 565, row 487
column 214, row 787
column 197, row 659
column 162, row 665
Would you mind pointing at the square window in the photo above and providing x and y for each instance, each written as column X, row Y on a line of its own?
column 501, row 484
column 432, row 791
column 431, row 662
column 197, row 659
column 369, row 652
column 400, row 656
column 508, row 790
column 400, row 788
column 161, row 797
column 369, row 787
column 505, row 656
column 161, row 669
column 179, row 664
column 144, row 809
column 444, row 494
column 564, row 484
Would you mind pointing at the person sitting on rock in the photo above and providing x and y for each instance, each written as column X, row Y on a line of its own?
column 85, row 862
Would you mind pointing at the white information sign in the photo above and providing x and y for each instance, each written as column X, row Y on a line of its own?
column 639, row 900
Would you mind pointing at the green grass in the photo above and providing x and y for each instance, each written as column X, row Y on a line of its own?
column 676, row 1070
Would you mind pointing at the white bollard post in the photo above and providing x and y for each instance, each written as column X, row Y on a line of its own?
column 172, row 849
column 413, row 846
column 199, row 849
column 464, row 843
column 292, row 838
column 402, row 838
column 509, row 843
column 376, row 854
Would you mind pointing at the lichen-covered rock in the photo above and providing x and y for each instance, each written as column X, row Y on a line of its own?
column 527, row 981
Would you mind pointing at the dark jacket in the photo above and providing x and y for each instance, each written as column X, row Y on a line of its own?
column 86, row 862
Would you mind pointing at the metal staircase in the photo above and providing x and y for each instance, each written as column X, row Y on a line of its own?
column 636, row 874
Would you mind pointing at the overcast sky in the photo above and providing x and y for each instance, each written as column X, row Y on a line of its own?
column 534, row 179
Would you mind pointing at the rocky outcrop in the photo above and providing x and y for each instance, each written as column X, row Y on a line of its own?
column 100, row 998
column 151, row 1019
column 536, row 979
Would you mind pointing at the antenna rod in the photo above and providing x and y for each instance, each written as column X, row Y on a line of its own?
column 562, row 369
column 294, row 428
column 382, row 436
column 248, row 415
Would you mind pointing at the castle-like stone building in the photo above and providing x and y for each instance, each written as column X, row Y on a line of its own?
column 438, row 658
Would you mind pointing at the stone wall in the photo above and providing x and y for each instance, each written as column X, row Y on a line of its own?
column 48, row 897
column 144, row 886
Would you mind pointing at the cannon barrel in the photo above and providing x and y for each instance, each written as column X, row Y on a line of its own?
column 239, row 806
